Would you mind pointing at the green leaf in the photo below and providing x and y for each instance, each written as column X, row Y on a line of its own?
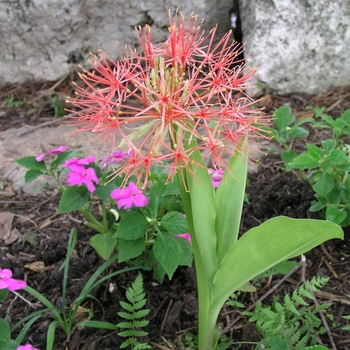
column 288, row 156
column 31, row 175
column 73, row 198
column 262, row 247
column 172, row 188
column 323, row 185
column 317, row 205
column 298, row 133
column 132, row 226
column 30, row 163
column 174, row 222
column 166, row 250
column 104, row 191
column 129, row 249
column 335, row 214
column 314, row 152
column 5, row 333
column 186, row 256
column 157, row 198
column 3, row 294
column 229, row 198
column 278, row 343
column 329, row 145
column 283, row 117
column 304, row 161
column 104, row 244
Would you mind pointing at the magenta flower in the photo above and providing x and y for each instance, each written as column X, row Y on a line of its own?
column 9, row 283
column 184, row 235
column 78, row 163
column 58, row 150
column 216, row 176
column 114, row 158
column 129, row 197
column 83, row 175
column 26, row 347
column 79, row 174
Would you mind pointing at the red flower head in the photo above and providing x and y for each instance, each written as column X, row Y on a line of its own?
column 184, row 94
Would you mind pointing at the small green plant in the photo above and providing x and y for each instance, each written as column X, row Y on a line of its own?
column 11, row 102
column 328, row 168
column 57, row 105
column 291, row 324
column 133, row 316
column 285, row 131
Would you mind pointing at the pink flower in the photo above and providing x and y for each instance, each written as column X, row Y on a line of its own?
column 129, row 197
column 78, row 163
column 83, row 175
column 9, row 283
column 184, row 235
column 114, row 158
column 79, row 174
column 58, row 150
column 216, row 176
column 26, row 347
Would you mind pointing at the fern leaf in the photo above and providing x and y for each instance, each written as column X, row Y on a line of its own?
column 125, row 315
column 126, row 306
column 141, row 313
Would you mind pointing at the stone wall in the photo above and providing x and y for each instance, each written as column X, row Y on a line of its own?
column 45, row 39
column 298, row 45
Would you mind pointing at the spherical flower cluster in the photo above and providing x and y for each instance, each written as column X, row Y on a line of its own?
column 180, row 96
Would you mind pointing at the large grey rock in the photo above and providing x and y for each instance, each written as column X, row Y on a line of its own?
column 43, row 39
column 298, row 45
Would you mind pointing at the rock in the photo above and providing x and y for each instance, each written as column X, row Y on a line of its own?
column 298, row 46
column 46, row 39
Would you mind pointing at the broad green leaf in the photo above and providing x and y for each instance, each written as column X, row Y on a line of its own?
column 3, row 294
column 334, row 196
column 329, row 145
column 166, row 250
column 315, row 152
column 335, row 214
column 174, row 222
column 278, row 343
column 288, row 157
column 262, row 247
column 31, row 175
column 323, row 185
column 130, row 249
column 317, row 205
column 30, row 163
column 229, row 198
column 186, row 256
column 337, row 156
column 132, row 226
column 5, row 333
column 104, row 191
column 73, row 198
column 304, row 161
column 346, row 116
column 156, row 199
column 298, row 133
column 104, row 244
column 283, row 117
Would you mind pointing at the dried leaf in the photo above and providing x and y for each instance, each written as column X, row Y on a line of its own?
column 14, row 235
column 6, row 219
column 36, row 266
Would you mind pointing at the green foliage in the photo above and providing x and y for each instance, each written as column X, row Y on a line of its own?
column 11, row 102
column 291, row 324
column 133, row 316
column 286, row 131
column 57, row 105
column 326, row 166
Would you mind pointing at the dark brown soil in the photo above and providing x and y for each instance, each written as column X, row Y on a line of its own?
column 173, row 305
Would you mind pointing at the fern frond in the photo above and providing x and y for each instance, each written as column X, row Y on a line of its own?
column 133, row 314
